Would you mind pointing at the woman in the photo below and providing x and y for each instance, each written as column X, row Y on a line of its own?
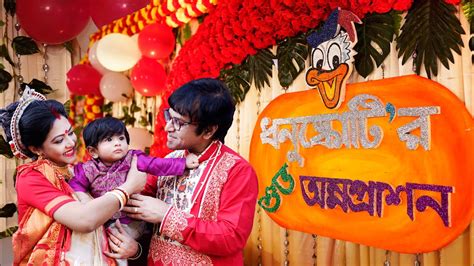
column 55, row 228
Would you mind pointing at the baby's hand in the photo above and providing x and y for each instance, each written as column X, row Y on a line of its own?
column 192, row 161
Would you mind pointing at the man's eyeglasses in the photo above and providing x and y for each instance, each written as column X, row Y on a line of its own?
column 175, row 122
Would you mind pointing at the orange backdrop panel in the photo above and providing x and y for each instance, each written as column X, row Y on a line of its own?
column 448, row 162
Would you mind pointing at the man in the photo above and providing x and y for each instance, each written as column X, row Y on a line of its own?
column 206, row 215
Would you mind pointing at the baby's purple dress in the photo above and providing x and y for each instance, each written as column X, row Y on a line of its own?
column 96, row 178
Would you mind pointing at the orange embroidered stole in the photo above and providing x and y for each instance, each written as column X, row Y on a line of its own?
column 39, row 238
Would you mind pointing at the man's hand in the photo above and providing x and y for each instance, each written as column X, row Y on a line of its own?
column 120, row 242
column 146, row 208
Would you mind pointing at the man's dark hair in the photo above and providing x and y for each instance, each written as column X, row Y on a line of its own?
column 35, row 123
column 102, row 128
column 206, row 102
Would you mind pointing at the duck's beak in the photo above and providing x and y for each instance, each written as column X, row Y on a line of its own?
column 329, row 84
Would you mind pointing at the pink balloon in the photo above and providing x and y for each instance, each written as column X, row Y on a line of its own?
column 116, row 87
column 52, row 21
column 104, row 12
column 156, row 41
column 83, row 79
column 148, row 77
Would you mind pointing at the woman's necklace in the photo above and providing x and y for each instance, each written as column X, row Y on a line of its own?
column 65, row 172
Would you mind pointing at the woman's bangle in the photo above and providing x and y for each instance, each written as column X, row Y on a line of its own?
column 138, row 254
column 119, row 196
column 125, row 193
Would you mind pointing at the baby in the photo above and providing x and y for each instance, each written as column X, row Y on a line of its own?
column 107, row 141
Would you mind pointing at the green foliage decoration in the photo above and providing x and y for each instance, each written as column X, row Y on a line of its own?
column 69, row 45
column 9, row 232
column 38, row 86
column 5, row 79
column 127, row 118
column 237, row 79
column 67, row 106
column 375, row 35
column 24, row 45
column 8, row 211
column 10, row 6
column 107, row 108
column 129, row 115
column 260, row 66
column 291, row 54
column 4, row 53
column 5, row 148
column 431, row 30
column 182, row 34
column 468, row 9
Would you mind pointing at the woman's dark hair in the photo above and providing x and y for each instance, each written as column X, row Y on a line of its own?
column 35, row 123
column 206, row 102
column 102, row 128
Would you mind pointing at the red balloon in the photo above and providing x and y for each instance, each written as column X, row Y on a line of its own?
column 148, row 77
column 156, row 41
column 52, row 21
column 104, row 12
column 83, row 79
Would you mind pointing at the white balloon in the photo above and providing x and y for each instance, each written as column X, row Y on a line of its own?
column 92, row 55
column 118, row 52
column 135, row 37
column 140, row 138
column 115, row 87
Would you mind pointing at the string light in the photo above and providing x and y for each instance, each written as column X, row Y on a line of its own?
column 259, row 209
column 387, row 258
column 315, row 247
column 413, row 67
column 417, row 261
column 45, row 63
column 18, row 78
column 382, row 66
column 238, row 128
column 286, row 244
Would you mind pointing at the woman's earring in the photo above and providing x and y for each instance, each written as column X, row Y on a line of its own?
column 95, row 156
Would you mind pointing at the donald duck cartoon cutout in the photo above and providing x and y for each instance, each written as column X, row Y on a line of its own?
column 332, row 56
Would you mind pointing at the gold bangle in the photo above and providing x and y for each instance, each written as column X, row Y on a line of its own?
column 138, row 254
column 120, row 198
column 127, row 196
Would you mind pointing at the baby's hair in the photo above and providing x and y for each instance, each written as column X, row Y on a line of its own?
column 102, row 128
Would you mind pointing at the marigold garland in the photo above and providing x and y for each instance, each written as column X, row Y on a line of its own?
column 173, row 13
column 92, row 108
column 82, row 110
